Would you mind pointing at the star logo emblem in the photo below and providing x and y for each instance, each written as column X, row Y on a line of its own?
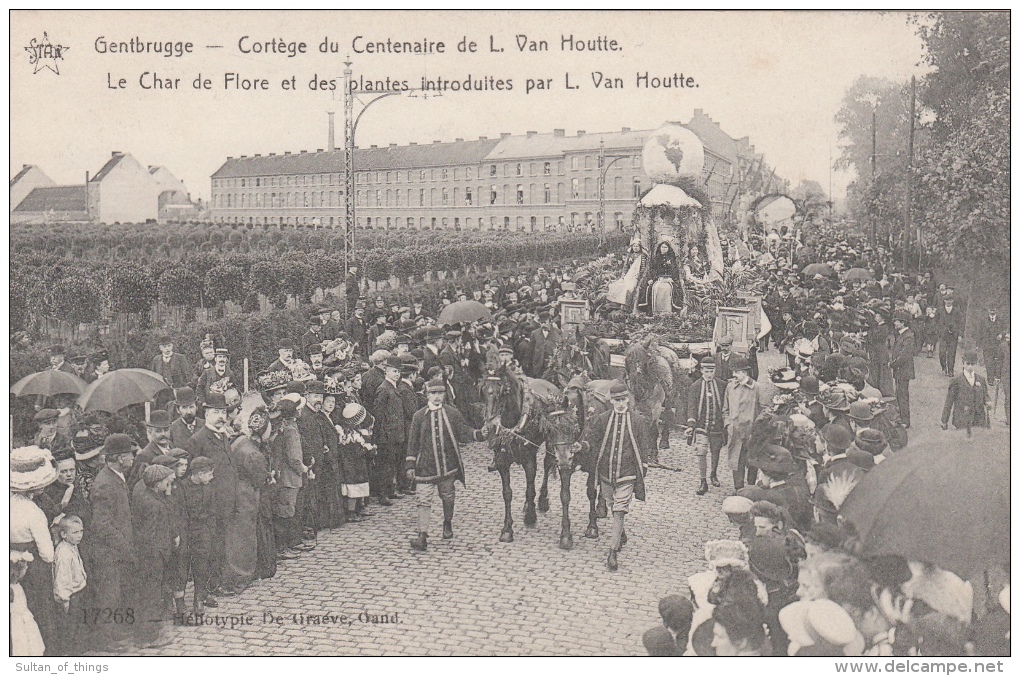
column 44, row 54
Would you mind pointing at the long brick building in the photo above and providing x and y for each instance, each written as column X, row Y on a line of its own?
column 525, row 183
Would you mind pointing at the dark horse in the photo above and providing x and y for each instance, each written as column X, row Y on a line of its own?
column 562, row 428
column 578, row 354
column 516, row 436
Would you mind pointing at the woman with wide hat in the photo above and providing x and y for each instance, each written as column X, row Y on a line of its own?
column 32, row 470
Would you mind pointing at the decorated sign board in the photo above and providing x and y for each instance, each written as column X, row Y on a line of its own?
column 573, row 312
column 738, row 323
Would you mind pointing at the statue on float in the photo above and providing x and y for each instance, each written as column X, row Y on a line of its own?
column 675, row 248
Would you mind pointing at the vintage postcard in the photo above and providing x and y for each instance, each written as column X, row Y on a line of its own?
column 509, row 333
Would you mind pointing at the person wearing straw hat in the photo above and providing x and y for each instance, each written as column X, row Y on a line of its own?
column 355, row 451
column 614, row 445
column 433, row 462
column 32, row 470
column 111, row 540
column 218, row 378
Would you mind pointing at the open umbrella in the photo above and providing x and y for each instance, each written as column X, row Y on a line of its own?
column 463, row 311
column 817, row 269
column 944, row 502
column 48, row 383
column 120, row 388
column 859, row 273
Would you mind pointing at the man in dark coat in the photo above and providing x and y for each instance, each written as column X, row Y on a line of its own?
column 173, row 367
column 111, row 539
column 967, row 397
column 313, row 451
column 49, row 436
column 157, row 429
column 212, row 442
column 990, row 333
column 200, row 512
column 373, row 378
column 614, row 445
column 949, row 319
column 433, row 346
column 433, row 459
column 57, row 362
column 390, row 430
column 154, row 542
column 901, row 360
column 285, row 360
column 409, row 399
column 184, row 427
column 219, row 378
column 723, row 355
column 543, row 342
column 357, row 329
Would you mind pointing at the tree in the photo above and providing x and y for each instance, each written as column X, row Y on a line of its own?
column 810, row 199
column 963, row 171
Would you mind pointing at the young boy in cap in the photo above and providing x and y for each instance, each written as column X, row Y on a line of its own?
column 200, row 510
column 155, row 540
column 706, row 422
column 433, row 460
column 614, row 444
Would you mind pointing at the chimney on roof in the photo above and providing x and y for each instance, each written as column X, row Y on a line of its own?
column 393, row 145
column 458, row 140
column 244, row 157
column 435, row 142
column 258, row 155
column 559, row 133
column 483, row 138
column 624, row 130
column 581, row 132
column 412, row 143
column 505, row 134
column 286, row 152
column 229, row 157
column 115, row 153
column 318, row 150
column 303, row 152
column 272, row 154
column 331, row 144
column 532, row 133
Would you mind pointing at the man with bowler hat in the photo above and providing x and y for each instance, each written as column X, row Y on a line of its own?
column 390, row 430
column 111, row 540
column 212, row 442
column 157, row 429
column 967, row 397
column 744, row 401
column 187, row 410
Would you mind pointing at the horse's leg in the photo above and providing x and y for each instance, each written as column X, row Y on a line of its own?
column 566, row 537
column 507, row 534
column 593, row 524
column 543, row 494
column 530, row 472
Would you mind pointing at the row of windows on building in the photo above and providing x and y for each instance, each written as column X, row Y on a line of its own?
column 577, row 220
column 547, row 193
column 278, row 181
column 533, row 194
column 468, row 173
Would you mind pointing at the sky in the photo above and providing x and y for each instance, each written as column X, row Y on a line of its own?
column 777, row 77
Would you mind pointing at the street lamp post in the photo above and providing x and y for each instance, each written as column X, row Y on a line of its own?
column 603, row 169
column 350, row 127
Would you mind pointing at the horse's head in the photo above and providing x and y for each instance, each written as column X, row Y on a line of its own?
column 560, row 431
column 491, row 387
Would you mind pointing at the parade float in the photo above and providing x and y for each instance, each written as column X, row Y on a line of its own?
column 671, row 281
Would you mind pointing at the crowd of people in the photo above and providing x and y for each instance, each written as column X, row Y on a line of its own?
column 793, row 579
column 113, row 517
